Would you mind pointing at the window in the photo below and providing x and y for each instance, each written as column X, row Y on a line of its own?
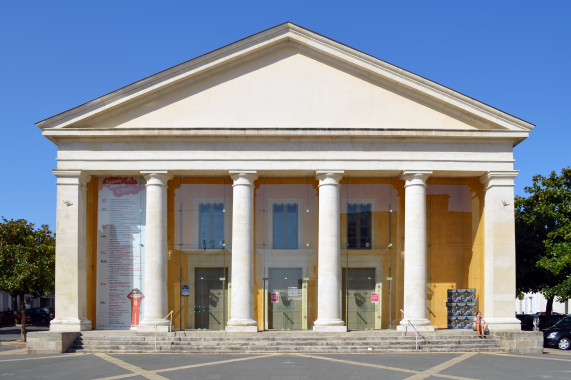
column 211, row 225
column 359, row 225
column 285, row 225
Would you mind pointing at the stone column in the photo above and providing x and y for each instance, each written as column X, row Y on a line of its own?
column 329, row 269
column 242, row 296
column 499, row 251
column 156, row 297
column 415, row 251
column 70, row 282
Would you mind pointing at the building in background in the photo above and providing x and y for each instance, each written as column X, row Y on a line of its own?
column 7, row 302
column 285, row 181
column 532, row 303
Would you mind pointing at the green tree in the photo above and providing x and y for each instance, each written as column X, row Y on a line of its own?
column 27, row 261
column 543, row 238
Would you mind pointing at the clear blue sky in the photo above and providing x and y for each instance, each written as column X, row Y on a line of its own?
column 55, row 55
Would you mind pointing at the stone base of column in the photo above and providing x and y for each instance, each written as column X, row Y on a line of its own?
column 419, row 325
column 336, row 325
column 330, row 329
column 70, row 325
column 503, row 324
column 242, row 325
column 161, row 326
column 241, row 329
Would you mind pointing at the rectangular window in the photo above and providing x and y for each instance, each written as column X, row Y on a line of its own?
column 211, row 225
column 285, row 225
column 359, row 225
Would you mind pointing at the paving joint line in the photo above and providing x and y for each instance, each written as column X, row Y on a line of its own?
column 214, row 363
column 380, row 366
column 136, row 371
column 435, row 371
column 41, row 357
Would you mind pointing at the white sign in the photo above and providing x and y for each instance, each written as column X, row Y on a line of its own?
column 120, row 252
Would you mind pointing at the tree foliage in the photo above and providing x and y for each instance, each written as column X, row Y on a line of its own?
column 27, row 261
column 543, row 237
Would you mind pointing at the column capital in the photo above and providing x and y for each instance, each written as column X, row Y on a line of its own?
column 499, row 178
column 243, row 177
column 329, row 177
column 71, row 177
column 156, row 177
column 415, row 177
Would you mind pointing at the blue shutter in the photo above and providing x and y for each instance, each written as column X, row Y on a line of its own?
column 278, row 226
column 292, row 226
column 218, row 225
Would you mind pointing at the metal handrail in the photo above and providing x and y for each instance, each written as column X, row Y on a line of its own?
column 417, row 334
column 170, row 325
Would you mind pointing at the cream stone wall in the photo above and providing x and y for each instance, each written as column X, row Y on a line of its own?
column 285, row 89
column 71, row 248
column 293, row 155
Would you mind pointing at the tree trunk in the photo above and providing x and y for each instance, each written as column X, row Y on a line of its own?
column 548, row 310
column 23, row 314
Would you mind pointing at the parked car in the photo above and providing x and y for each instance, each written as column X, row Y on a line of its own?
column 558, row 335
column 18, row 316
column 527, row 320
column 7, row 318
column 40, row 315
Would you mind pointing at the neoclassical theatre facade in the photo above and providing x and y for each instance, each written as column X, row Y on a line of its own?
column 284, row 182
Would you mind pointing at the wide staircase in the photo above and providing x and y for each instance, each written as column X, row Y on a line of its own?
column 283, row 342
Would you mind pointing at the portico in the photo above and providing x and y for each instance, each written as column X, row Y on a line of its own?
column 283, row 182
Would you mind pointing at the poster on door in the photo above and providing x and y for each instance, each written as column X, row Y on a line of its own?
column 375, row 297
column 275, row 297
column 120, row 252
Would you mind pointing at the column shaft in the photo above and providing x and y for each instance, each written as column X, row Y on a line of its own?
column 70, row 282
column 499, row 251
column 156, row 297
column 242, row 297
column 415, row 251
column 329, row 269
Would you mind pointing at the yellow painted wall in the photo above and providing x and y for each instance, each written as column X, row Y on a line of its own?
column 455, row 242
column 388, row 242
column 181, row 262
column 91, row 254
column 305, row 190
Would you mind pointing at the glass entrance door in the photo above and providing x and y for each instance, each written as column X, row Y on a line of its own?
column 285, row 299
column 211, row 290
column 358, row 306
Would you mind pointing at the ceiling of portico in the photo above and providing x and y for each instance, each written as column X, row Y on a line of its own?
column 285, row 78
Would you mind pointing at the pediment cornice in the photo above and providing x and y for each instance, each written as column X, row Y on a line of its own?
column 121, row 134
column 293, row 36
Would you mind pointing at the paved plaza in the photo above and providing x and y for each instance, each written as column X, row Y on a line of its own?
column 15, row 363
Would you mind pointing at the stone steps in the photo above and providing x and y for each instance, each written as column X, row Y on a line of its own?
column 282, row 342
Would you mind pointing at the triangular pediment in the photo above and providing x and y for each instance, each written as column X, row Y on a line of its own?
column 286, row 78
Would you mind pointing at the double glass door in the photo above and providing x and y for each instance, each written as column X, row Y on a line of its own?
column 285, row 299
column 358, row 306
column 211, row 293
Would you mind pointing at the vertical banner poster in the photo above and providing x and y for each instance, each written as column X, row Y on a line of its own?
column 120, row 252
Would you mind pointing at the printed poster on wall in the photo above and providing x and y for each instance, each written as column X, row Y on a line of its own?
column 120, row 252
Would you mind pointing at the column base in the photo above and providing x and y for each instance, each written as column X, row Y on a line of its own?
column 70, row 325
column 329, row 325
column 340, row 329
column 161, row 326
column 241, row 329
column 503, row 324
column 419, row 325
column 242, row 325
